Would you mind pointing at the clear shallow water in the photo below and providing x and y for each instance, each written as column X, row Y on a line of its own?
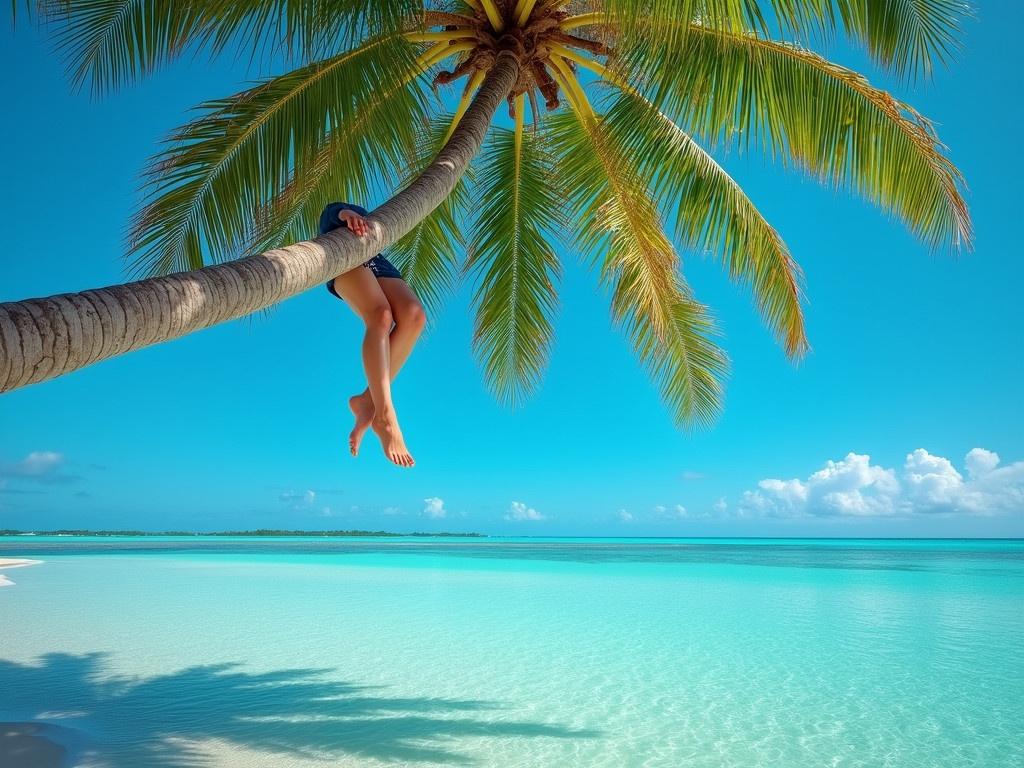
column 502, row 652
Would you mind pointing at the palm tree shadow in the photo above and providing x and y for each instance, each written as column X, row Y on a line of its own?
column 158, row 721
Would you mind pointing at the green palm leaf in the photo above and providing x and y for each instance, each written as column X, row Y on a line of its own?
column 819, row 116
column 617, row 225
column 514, row 262
column 345, row 164
column 113, row 42
column 204, row 190
column 907, row 37
column 428, row 255
column 254, row 170
column 684, row 360
column 711, row 211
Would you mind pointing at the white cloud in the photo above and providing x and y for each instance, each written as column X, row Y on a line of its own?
column 434, row 508
column 691, row 475
column 980, row 462
column 391, row 511
column 301, row 502
column 295, row 498
column 677, row 511
column 38, row 463
column 626, row 517
column 519, row 512
column 41, row 467
column 926, row 484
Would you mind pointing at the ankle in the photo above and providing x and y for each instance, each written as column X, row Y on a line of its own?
column 385, row 414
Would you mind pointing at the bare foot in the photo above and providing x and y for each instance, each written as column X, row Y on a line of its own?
column 362, row 408
column 390, row 435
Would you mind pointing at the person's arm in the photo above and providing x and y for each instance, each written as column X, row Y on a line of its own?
column 354, row 221
column 338, row 214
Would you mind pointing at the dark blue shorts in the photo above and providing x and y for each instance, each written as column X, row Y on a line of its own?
column 380, row 267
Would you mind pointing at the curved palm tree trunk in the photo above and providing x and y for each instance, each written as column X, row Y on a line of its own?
column 44, row 338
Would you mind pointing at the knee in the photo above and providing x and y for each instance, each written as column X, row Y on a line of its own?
column 413, row 318
column 379, row 318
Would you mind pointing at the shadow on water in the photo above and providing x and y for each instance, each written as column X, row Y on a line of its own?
column 156, row 721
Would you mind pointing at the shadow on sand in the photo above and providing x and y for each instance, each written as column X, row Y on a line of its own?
column 289, row 712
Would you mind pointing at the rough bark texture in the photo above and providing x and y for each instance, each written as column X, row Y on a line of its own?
column 44, row 338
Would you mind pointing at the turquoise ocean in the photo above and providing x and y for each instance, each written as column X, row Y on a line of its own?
column 702, row 653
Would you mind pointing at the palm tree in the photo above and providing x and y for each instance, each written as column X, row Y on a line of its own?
column 626, row 100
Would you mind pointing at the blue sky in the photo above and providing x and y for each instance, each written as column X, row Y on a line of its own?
column 916, row 364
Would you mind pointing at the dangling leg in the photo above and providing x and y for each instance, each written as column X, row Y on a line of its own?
column 410, row 320
column 361, row 291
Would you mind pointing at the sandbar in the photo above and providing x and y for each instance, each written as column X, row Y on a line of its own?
column 10, row 562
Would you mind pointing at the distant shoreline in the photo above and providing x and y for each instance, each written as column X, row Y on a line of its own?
column 257, row 532
column 274, row 533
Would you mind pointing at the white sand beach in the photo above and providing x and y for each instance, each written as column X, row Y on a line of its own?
column 8, row 562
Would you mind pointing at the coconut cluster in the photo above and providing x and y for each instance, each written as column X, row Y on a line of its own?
column 532, row 42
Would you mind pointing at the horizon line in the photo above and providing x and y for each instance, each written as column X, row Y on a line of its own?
column 360, row 533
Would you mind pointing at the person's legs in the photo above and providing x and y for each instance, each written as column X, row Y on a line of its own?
column 361, row 291
column 410, row 320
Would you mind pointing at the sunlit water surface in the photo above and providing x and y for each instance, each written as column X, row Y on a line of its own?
column 519, row 652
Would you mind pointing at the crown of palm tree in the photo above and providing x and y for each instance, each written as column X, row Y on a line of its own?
column 626, row 97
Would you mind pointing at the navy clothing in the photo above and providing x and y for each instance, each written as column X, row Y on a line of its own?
column 329, row 220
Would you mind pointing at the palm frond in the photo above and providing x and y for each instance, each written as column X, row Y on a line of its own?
column 613, row 195
column 514, row 261
column 428, row 255
column 805, row 110
column 684, row 360
column 205, row 188
column 712, row 213
column 345, row 166
column 110, row 43
column 907, row 37
column 617, row 226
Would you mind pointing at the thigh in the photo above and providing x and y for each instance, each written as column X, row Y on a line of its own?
column 404, row 303
column 361, row 291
